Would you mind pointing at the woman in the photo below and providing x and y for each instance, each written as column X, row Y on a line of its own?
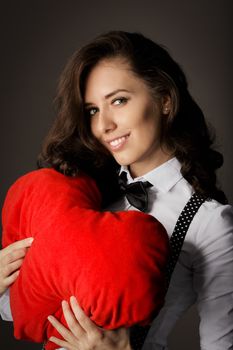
column 122, row 96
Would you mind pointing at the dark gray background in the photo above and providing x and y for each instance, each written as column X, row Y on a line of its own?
column 38, row 37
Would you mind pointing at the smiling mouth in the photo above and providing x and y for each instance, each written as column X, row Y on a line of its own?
column 118, row 142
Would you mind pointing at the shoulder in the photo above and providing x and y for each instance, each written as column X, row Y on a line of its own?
column 215, row 213
column 214, row 225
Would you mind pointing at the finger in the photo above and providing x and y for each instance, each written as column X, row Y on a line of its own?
column 61, row 343
column 10, row 258
column 11, row 279
column 5, row 283
column 24, row 243
column 72, row 323
column 14, row 255
column 63, row 331
column 7, row 270
column 82, row 318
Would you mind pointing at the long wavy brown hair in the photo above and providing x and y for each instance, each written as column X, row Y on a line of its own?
column 71, row 147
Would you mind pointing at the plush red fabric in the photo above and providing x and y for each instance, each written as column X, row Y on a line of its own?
column 112, row 262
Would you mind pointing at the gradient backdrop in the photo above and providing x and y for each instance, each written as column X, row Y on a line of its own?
column 37, row 38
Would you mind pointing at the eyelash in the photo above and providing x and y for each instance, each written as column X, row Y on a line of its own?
column 123, row 99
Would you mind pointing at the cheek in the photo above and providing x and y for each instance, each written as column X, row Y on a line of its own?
column 145, row 134
column 149, row 124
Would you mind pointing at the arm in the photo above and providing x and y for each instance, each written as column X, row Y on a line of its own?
column 84, row 334
column 11, row 259
column 213, row 279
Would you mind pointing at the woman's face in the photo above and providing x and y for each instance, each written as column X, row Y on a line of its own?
column 124, row 117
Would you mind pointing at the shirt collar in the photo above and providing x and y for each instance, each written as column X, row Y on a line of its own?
column 163, row 177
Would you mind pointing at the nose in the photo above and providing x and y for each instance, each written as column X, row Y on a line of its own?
column 106, row 122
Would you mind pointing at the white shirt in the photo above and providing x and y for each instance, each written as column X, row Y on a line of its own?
column 204, row 272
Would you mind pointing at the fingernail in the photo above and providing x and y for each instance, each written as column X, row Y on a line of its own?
column 50, row 318
column 72, row 298
column 30, row 240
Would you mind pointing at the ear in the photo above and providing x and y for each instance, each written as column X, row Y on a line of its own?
column 166, row 104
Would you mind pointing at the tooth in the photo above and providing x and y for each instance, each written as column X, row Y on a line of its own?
column 117, row 141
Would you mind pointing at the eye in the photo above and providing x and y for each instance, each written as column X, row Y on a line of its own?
column 120, row 100
column 91, row 111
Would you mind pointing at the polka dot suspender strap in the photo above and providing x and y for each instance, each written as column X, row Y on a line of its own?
column 180, row 230
column 137, row 333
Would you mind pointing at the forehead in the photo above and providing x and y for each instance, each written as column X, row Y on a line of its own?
column 109, row 75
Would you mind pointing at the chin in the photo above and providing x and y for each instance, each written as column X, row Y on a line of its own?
column 125, row 159
column 122, row 162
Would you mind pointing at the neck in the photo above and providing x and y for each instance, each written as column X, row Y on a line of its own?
column 137, row 170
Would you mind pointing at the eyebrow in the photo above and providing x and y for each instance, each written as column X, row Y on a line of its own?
column 108, row 95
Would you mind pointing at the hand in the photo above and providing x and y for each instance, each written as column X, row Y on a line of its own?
column 11, row 259
column 83, row 334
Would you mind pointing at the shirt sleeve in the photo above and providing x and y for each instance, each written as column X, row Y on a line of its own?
column 213, row 279
column 5, row 310
column 179, row 298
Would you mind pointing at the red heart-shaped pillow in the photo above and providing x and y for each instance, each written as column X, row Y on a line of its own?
column 114, row 263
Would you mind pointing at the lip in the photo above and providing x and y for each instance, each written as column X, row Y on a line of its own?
column 117, row 143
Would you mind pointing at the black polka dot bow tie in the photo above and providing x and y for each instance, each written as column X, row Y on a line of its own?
column 136, row 192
